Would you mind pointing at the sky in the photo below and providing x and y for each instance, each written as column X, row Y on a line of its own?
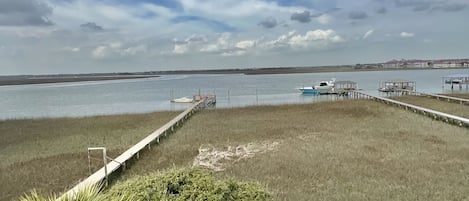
column 91, row 36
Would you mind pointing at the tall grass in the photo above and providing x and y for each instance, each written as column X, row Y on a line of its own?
column 459, row 95
column 51, row 154
column 89, row 193
column 345, row 150
column 438, row 105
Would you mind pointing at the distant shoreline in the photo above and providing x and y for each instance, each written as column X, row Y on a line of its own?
column 68, row 78
column 292, row 70
column 44, row 79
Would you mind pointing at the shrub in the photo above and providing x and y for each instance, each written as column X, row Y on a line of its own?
column 186, row 184
column 173, row 184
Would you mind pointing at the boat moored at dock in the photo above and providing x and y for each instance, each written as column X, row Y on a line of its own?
column 324, row 87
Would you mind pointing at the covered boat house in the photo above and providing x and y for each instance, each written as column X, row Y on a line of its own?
column 344, row 87
column 397, row 86
column 456, row 80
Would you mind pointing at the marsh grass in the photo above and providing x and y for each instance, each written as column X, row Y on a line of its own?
column 438, row 105
column 459, row 95
column 50, row 155
column 344, row 150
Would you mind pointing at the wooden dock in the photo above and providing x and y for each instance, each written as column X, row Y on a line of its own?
column 453, row 119
column 461, row 101
column 134, row 152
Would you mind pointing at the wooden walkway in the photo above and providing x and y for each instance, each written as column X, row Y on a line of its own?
column 461, row 101
column 99, row 176
column 453, row 119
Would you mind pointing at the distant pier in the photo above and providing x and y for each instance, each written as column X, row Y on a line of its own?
column 453, row 119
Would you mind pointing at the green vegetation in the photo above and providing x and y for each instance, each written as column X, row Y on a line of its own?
column 173, row 184
column 91, row 193
column 344, row 150
column 51, row 154
column 186, row 184
column 438, row 105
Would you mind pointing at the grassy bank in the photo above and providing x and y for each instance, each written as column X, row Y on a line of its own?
column 438, row 105
column 51, row 154
column 345, row 150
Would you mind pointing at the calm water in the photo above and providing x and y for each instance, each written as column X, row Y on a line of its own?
column 153, row 94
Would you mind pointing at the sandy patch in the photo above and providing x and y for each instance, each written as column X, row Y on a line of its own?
column 218, row 159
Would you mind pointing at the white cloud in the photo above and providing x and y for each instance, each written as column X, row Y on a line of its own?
column 280, row 42
column 133, row 50
column 368, row 34
column 317, row 39
column 406, row 35
column 100, row 52
column 245, row 44
column 180, row 48
column 71, row 49
column 221, row 44
column 324, row 19
column 117, row 49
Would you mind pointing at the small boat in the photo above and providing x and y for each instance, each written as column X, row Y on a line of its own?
column 182, row 100
column 324, row 87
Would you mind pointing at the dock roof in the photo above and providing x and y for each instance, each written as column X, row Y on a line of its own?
column 345, row 82
column 399, row 81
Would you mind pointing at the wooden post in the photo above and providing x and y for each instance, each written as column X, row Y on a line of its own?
column 103, row 149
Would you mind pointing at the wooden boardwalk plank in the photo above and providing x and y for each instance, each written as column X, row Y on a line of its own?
column 115, row 164
column 449, row 98
column 429, row 112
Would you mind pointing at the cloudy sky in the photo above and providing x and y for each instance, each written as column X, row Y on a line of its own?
column 80, row 36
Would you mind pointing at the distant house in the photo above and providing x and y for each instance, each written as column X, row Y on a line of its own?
column 416, row 63
column 392, row 64
column 451, row 63
column 407, row 64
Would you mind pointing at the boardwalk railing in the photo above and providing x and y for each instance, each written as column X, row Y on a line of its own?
column 448, row 98
column 134, row 151
column 460, row 121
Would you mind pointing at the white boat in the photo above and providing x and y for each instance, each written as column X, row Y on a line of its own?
column 324, row 87
column 182, row 100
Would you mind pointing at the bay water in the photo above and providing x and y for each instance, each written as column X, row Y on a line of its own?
column 76, row 99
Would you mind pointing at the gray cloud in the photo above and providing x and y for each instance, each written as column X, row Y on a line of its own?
column 382, row 10
column 24, row 13
column 357, row 15
column 303, row 17
column 453, row 7
column 91, row 27
column 268, row 23
column 431, row 5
